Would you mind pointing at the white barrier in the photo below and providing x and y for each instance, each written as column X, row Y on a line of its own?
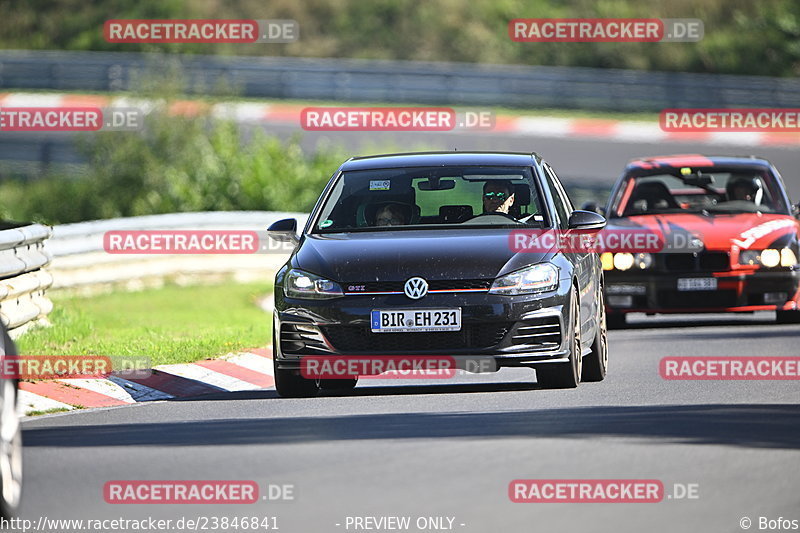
column 23, row 278
column 80, row 263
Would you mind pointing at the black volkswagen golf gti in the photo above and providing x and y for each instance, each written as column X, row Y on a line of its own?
column 411, row 255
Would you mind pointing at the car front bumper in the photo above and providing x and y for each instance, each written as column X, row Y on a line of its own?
column 643, row 292
column 525, row 330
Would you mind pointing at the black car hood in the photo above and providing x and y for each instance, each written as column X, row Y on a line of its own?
column 399, row 255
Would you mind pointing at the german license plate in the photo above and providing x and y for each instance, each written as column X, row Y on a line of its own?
column 697, row 284
column 415, row 320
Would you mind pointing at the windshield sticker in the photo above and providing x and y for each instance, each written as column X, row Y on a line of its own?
column 379, row 185
column 326, row 223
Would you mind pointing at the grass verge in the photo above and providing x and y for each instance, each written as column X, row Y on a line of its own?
column 48, row 411
column 169, row 325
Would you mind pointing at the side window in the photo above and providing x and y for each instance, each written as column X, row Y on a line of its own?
column 561, row 210
column 562, row 192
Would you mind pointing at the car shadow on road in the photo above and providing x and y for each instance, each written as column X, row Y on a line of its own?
column 699, row 321
column 366, row 388
column 774, row 426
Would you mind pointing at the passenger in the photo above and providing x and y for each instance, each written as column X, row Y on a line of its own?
column 391, row 215
column 498, row 196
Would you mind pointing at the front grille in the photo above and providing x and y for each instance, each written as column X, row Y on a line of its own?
column 433, row 285
column 542, row 333
column 679, row 262
column 355, row 339
column 696, row 299
column 461, row 284
column 697, row 262
column 715, row 261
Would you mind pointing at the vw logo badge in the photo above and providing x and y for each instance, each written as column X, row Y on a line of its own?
column 416, row 288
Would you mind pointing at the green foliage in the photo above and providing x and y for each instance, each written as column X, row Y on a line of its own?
column 199, row 164
column 741, row 36
column 177, row 164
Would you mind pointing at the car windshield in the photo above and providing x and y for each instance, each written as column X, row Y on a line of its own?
column 430, row 198
column 704, row 191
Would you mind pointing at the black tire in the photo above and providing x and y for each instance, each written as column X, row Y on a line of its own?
column 566, row 375
column 290, row 384
column 10, row 442
column 616, row 320
column 595, row 365
column 338, row 384
column 788, row 317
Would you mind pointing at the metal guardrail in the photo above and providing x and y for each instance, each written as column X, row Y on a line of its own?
column 406, row 81
column 81, row 264
column 23, row 278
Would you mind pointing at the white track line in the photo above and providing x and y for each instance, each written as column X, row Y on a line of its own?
column 251, row 361
column 101, row 386
column 209, row 377
column 32, row 100
column 241, row 112
column 29, row 401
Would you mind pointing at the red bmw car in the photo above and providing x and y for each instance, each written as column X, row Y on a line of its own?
column 728, row 239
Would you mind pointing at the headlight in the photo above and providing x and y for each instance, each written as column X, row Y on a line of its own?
column 607, row 260
column 788, row 258
column 626, row 261
column 623, row 261
column 749, row 257
column 299, row 284
column 769, row 258
column 643, row 261
column 536, row 278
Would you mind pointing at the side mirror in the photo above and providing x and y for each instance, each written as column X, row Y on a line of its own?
column 284, row 230
column 796, row 210
column 594, row 207
column 586, row 220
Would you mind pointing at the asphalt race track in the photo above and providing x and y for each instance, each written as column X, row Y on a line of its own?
column 585, row 161
column 450, row 449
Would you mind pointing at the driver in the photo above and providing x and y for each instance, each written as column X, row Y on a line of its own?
column 498, row 196
column 748, row 189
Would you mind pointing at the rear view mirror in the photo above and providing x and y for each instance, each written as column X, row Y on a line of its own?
column 699, row 180
column 436, row 184
column 284, row 230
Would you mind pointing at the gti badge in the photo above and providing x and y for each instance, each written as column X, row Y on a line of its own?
column 416, row 288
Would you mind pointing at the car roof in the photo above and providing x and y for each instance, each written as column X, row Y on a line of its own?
column 697, row 160
column 430, row 159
